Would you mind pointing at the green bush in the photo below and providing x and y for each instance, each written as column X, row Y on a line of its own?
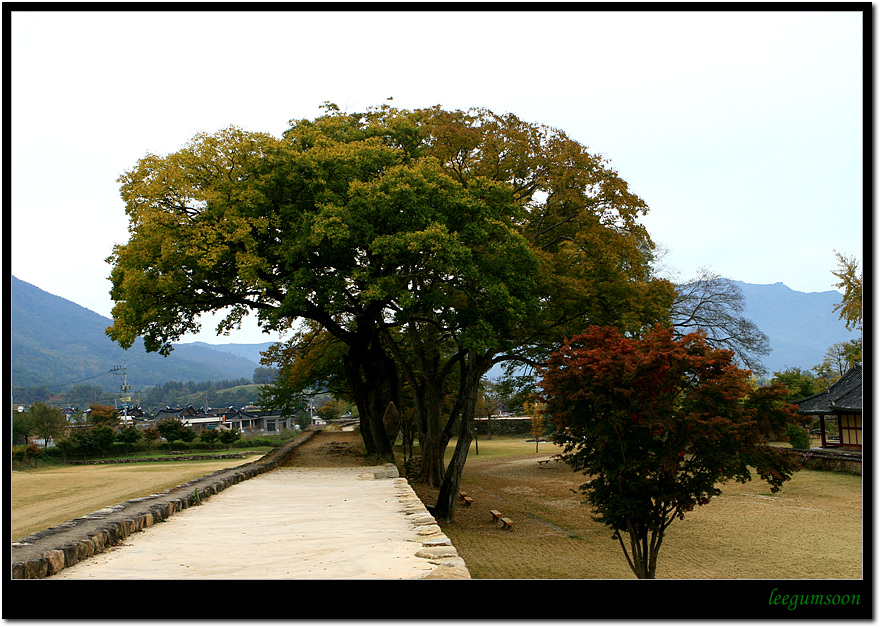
column 229, row 437
column 208, row 438
column 269, row 440
column 33, row 452
column 413, row 467
column 798, row 437
column 19, row 455
column 130, row 436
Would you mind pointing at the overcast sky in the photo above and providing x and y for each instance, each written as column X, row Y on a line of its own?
column 743, row 131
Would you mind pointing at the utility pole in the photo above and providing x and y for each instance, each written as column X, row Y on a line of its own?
column 125, row 388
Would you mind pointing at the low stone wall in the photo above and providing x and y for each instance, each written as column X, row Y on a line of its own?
column 47, row 552
column 171, row 458
column 830, row 460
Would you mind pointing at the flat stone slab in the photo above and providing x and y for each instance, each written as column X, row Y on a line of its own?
column 441, row 540
column 436, row 553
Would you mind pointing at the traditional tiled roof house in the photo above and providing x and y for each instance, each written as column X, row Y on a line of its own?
column 843, row 401
column 176, row 412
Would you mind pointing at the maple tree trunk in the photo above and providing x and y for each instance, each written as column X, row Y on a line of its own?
column 644, row 548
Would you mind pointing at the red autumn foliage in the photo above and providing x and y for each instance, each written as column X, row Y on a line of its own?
column 657, row 424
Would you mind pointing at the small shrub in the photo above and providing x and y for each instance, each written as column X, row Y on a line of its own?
column 130, row 436
column 798, row 437
column 33, row 452
column 19, row 455
column 413, row 467
column 269, row 440
column 209, row 437
column 228, row 437
column 66, row 446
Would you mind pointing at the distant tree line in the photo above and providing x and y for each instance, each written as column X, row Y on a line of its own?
column 172, row 392
column 102, row 436
column 166, row 394
column 79, row 395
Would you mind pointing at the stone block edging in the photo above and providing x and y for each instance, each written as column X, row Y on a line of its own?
column 47, row 552
column 174, row 458
column 433, row 545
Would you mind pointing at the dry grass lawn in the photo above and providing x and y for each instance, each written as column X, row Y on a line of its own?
column 812, row 529
column 45, row 497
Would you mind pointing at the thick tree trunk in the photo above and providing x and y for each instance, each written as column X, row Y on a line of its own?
column 374, row 382
column 426, row 377
column 475, row 366
column 431, row 441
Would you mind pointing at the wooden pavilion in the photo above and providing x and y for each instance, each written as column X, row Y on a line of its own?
column 842, row 401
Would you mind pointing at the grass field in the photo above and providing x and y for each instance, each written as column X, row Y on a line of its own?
column 812, row 529
column 45, row 497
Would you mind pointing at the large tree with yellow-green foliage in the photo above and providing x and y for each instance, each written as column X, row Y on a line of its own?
column 850, row 307
column 47, row 422
column 429, row 245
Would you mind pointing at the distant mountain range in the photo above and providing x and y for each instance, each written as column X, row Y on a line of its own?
column 55, row 341
column 802, row 326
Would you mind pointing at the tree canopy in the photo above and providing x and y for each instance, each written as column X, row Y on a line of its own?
column 850, row 307
column 656, row 423
column 103, row 415
column 46, row 421
column 420, row 245
column 715, row 305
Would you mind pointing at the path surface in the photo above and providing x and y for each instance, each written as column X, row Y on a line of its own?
column 320, row 517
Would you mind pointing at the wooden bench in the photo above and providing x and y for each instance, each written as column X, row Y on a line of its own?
column 506, row 523
column 468, row 501
column 544, row 461
column 496, row 515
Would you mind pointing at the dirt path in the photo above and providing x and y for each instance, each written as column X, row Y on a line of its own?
column 330, row 449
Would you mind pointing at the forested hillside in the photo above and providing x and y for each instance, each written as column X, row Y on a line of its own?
column 54, row 341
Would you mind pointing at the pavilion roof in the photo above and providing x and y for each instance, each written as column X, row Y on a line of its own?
column 842, row 396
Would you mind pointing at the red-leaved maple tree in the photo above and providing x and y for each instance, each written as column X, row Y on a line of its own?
column 657, row 424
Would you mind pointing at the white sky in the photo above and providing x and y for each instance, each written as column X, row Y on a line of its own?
column 743, row 131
